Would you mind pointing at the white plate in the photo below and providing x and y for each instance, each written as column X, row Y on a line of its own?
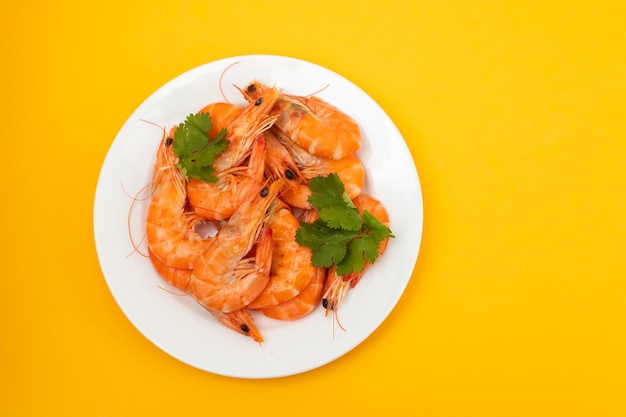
column 177, row 324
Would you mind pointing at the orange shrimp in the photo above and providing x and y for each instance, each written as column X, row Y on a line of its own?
column 312, row 123
column 279, row 163
column 303, row 303
column 240, row 321
column 222, row 114
column 218, row 200
column 223, row 277
column 242, row 130
column 337, row 286
column 291, row 269
column 169, row 226
column 178, row 277
column 350, row 170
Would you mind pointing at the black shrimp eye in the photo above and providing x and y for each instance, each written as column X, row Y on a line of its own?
column 264, row 192
column 244, row 328
column 325, row 303
column 168, row 141
column 251, row 88
column 258, row 101
column 289, row 175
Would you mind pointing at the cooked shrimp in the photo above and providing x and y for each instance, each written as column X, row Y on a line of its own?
column 218, row 200
column 222, row 114
column 279, row 163
column 223, row 277
column 180, row 278
column 169, row 227
column 240, row 321
column 243, row 130
column 312, row 123
column 337, row 286
column 303, row 303
column 291, row 269
column 350, row 170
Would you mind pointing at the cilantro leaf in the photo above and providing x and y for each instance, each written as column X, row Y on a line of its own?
column 327, row 191
column 195, row 149
column 376, row 230
column 327, row 245
column 191, row 135
column 329, row 196
column 364, row 248
column 341, row 218
column 356, row 253
column 341, row 236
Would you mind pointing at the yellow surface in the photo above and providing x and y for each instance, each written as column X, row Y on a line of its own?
column 514, row 114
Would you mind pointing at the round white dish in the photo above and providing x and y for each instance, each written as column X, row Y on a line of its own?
column 177, row 324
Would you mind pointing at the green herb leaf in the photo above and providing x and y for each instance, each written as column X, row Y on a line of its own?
column 335, row 208
column 195, row 149
column 355, row 259
column 341, row 236
column 328, row 245
column 374, row 228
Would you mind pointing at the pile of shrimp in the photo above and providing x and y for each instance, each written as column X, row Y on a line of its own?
column 231, row 244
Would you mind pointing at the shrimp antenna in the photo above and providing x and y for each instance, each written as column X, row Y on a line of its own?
column 171, row 292
column 222, row 78
column 153, row 124
column 135, row 245
column 318, row 91
column 136, row 198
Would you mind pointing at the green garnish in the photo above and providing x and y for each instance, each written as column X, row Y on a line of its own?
column 341, row 236
column 195, row 149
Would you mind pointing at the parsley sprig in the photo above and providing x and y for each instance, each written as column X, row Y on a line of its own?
column 195, row 149
column 341, row 236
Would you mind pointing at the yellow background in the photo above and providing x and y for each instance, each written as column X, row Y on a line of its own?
column 514, row 114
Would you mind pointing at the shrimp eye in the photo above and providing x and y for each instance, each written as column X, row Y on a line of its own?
column 289, row 174
column 258, row 101
column 264, row 192
column 325, row 303
column 168, row 141
column 244, row 328
column 251, row 88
